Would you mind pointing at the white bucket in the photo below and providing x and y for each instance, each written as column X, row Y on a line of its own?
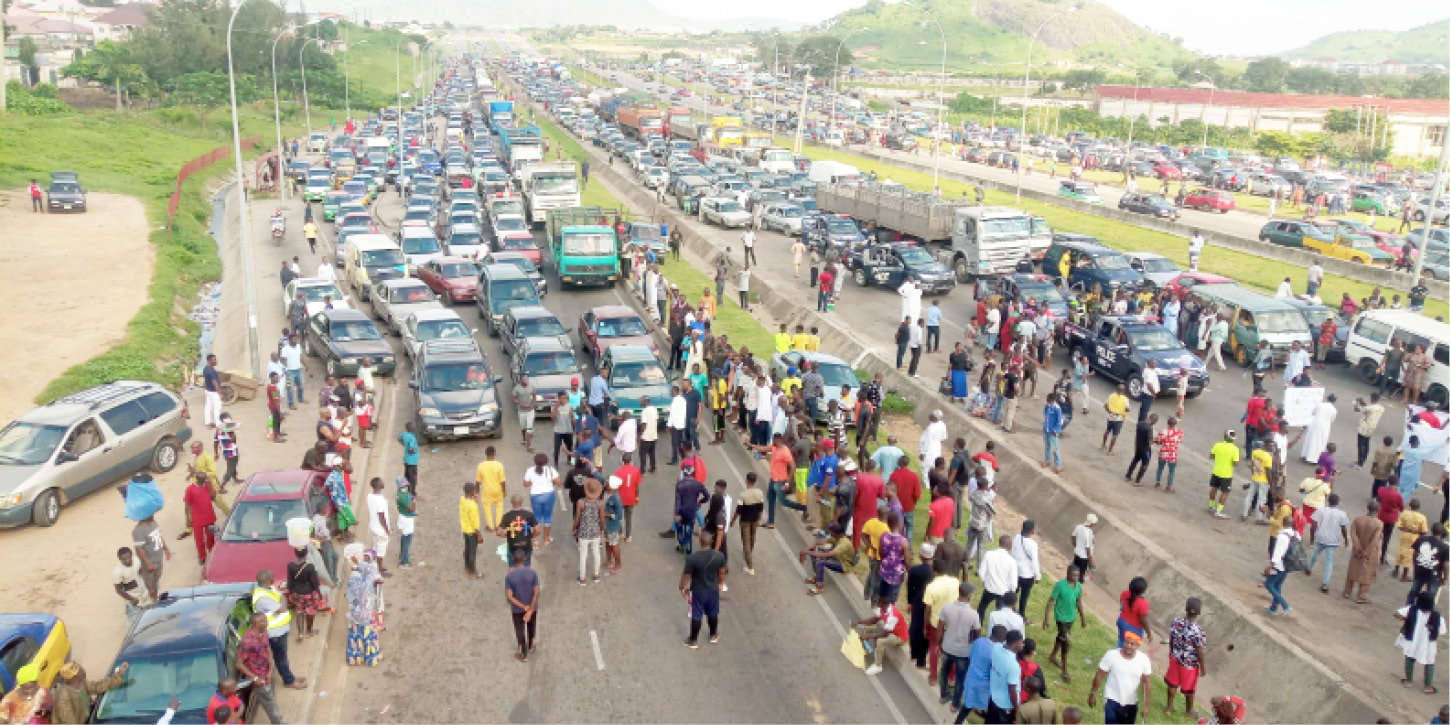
column 299, row 532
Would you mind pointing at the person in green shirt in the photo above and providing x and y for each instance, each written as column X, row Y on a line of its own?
column 1225, row 454
column 832, row 554
column 1065, row 607
column 407, row 509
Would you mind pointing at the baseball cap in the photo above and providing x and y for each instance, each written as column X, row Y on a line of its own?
column 848, row 465
column 928, row 549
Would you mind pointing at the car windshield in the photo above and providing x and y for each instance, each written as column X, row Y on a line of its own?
column 622, row 327
column 1154, row 340
column 554, row 184
column 916, row 255
column 551, row 363
column 1155, row 200
column 319, row 292
column 1041, row 293
column 511, row 206
column 730, row 206
column 644, row 232
column 456, row 270
column 842, row 226
column 263, row 520
column 1284, row 321
column 510, row 224
column 637, row 374
column 354, row 330
column 29, row 444
column 540, row 327
column 420, row 245
column 510, row 293
column 403, row 294
column 449, row 377
column 190, row 677
column 1111, row 261
column 382, row 258
column 790, row 212
column 836, row 375
column 1158, row 265
column 589, row 244
column 1015, row 227
column 1315, row 316
column 443, row 330
column 65, row 188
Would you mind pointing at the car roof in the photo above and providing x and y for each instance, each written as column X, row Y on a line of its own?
column 821, row 357
column 279, row 485
column 613, row 311
column 69, row 409
column 339, row 315
column 545, row 344
column 429, row 314
column 531, row 312
column 1143, row 255
column 503, row 271
column 630, row 353
column 183, row 620
column 403, row 282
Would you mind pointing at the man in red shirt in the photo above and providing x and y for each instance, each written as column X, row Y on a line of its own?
column 36, row 205
column 200, row 515
column 1252, row 412
column 824, row 286
column 254, row 660
column 942, row 509
column 1391, row 505
column 225, row 706
column 629, row 478
column 274, row 407
column 782, row 479
column 870, row 489
column 908, row 491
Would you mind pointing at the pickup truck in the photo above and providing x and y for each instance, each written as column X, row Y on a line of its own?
column 1119, row 348
column 890, row 264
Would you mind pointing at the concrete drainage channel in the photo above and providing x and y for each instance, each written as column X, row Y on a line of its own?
column 1298, row 688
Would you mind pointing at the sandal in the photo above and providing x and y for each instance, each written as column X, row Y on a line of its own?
column 520, row 656
column 815, row 592
column 1430, row 690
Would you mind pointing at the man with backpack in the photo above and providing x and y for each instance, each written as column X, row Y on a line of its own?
column 1287, row 555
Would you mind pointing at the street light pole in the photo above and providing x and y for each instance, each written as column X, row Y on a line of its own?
column 398, row 79
column 1026, row 92
column 1203, row 115
column 940, row 94
column 1424, row 245
column 306, row 102
column 346, row 79
column 248, row 283
column 277, row 114
column 836, row 74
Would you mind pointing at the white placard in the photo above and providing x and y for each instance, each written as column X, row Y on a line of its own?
column 1299, row 404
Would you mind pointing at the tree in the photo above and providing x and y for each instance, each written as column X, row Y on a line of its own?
column 1430, row 85
column 1188, row 71
column 207, row 90
column 326, row 29
column 1309, row 80
column 1266, row 75
column 1082, row 80
column 112, row 65
column 968, row 103
column 1341, row 120
column 1274, row 143
column 29, row 70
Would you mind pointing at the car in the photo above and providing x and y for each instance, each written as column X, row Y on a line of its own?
column 1185, row 281
column 763, row 197
column 604, row 327
column 453, row 278
column 725, row 212
column 1080, row 190
column 332, row 202
column 1422, row 209
column 833, row 370
column 179, row 648
column 78, row 443
column 320, row 294
column 65, row 192
column 419, row 245
column 1166, row 170
column 1269, row 185
column 342, row 338
column 1374, row 200
column 1291, row 233
column 1209, row 200
column 1153, row 205
column 1032, row 288
column 455, row 392
column 1436, row 265
column 522, row 259
column 784, row 217
column 394, row 299
column 254, row 535
column 831, row 232
column 465, row 241
column 1157, row 268
column 521, row 323
column 1315, row 315
column 1119, row 349
column 634, row 373
column 891, row 264
column 32, row 639
column 550, row 365
column 501, row 287
column 316, row 188
column 1350, row 246
column 647, row 235
column 435, row 324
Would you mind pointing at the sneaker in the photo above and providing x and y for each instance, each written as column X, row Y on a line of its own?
column 405, row 566
column 724, row 588
column 583, row 583
column 1220, row 515
column 714, row 639
column 873, row 670
column 692, row 644
column 751, row 572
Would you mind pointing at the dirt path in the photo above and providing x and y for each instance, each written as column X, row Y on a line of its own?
column 70, row 282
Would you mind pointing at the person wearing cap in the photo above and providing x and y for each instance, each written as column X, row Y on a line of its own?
column 689, row 494
column 845, row 497
column 1225, row 454
column 613, row 522
column 834, row 553
column 917, row 579
column 28, row 700
column 71, row 692
column 1127, row 673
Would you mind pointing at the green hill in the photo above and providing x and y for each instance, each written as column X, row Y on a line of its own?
column 1425, row 44
column 988, row 32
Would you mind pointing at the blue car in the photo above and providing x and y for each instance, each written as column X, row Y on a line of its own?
column 32, row 639
column 1119, row 349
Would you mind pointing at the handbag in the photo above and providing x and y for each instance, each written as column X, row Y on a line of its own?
column 1296, row 559
column 854, row 651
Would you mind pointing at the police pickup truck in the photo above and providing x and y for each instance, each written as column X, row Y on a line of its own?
column 1119, row 348
column 831, row 232
column 890, row 264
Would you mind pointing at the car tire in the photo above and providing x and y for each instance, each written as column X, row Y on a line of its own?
column 166, row 455
column 859, row 277
column 1135, row 386
column 46, row 508
column 307, row 347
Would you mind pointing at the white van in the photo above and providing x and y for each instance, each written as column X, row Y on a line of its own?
column 370, row 258
column 1373, row 332
column 833, row 172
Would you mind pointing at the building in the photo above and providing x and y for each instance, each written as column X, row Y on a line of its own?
column 1418, row 125
column 119, row 23
column 1367, row 68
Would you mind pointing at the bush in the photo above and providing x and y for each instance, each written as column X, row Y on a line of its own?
column 25, row 102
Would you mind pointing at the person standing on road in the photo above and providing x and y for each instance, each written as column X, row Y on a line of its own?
column 309, row 230
column 747, row 240
column 409, row 440
column 1329, row 529
column 256, row 662
column 521, row 591
column 286, row 275
column 1365, row 534
column 797, row 254
column 212, row 384
column 825, row 284
column 700, row 584
column 914, row 343
column 469, row 522
column 1369, row 420
column 744, row 285
column 362, row 612
column 291, row 355
column 492, row 487
column 526, row 399
column 37, row 206
column 201, row 516
column 589, row 516
column 379, row 522
column 1313, row 278
column 269, row 603
column 297, row 317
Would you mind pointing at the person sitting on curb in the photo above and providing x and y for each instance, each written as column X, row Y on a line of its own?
column 834, row 553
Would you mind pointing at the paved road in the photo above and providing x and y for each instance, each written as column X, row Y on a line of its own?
column 874, row 314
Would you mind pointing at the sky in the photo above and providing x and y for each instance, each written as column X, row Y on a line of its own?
column 1233, row 27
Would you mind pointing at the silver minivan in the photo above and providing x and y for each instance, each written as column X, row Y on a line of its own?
column 84, row 441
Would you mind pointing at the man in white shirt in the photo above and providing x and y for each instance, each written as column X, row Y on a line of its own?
column 1286, row 289
column 931, row 440
column 1151, row 386
column 626, row 439
column 676, row 423
column 1297, row 363
column 649, row 432
column 1007, row 616
column 291, row 354
column 1082, row 545
column 998, row 572
column 994, row 326
column 380, row 522
column 1127, row 672
column 1195, row 248
column 277, row 367
column 1029, row 567
column 747, row 238
column 910, row 292
column 324, row 271
column 764, row 412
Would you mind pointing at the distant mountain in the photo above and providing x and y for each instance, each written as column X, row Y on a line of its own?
column 998, row 31
column 1425, row 44
column 539, row 14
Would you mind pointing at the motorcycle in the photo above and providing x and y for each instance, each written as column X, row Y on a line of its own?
column 279, row 229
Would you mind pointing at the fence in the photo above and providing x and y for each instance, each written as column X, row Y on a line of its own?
column 195, row 165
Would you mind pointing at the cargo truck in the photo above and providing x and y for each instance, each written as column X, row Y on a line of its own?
column 519, row 147
column 549, row 185
column 500, row 114
column 729, row 131
column 584, row 245
column 640, row 122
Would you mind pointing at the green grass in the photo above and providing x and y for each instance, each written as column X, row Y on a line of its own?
column 730, row 320
column 138, row 155
column 892, row 404
column 375, row 66
column 1248, row 269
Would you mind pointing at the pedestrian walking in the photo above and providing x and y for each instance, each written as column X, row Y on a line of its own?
column 1187, row 648
column 469, row 522
column 1063, row 609
column 380, row 522
column 1053, row 422
column 1116, row 407
column 212, row 387
column 37, row 206
column 1126, row 672
column 914, row 344
column 703, row 579
column 1142, row 449
column 363, row 611
column 1328, row 529
column 128, row 582
column 747, row 241
column 201, row 516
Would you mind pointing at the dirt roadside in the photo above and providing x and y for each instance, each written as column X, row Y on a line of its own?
column 58, row 285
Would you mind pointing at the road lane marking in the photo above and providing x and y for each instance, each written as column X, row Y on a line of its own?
column 598, row 655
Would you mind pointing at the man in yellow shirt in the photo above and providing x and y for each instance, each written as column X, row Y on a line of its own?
column 800, row 340
column 490, row 480
column 782, row 340
column 707, row 305
column 468, row 522
column 1225, row 454
column 942, row 590
column 1117, row 407
column 813, row 340
column 1257, row 499
column 871, row 532
column 791, row 382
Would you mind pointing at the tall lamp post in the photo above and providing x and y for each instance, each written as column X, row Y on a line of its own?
column 775, row 81
column 940, row 95
column 306, row 102
column 277, row 113
column 836, row 73
column 1026, row 93
column 398, row 79
column 248, row 281
column 1203, row 116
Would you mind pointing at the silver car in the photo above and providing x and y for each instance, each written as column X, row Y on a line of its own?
column 82, row 442
column 783, row 217
column 394, row 299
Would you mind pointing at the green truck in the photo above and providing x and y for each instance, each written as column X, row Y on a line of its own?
column 584, row 245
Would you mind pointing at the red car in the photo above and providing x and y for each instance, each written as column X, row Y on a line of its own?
column 604, row 327
column 523, row 244
column 254, row 536
column 1165, row 170
column 455, row 279
column 1181, row 284
column 1209, row 200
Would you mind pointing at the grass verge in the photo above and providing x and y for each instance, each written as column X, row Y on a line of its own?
column 1248, row 269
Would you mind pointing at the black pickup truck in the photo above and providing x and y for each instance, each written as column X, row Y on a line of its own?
column 1119, row 348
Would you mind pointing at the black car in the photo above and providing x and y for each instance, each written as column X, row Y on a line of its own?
column 343, row 338
column 1153, row 205
column 65, row 192
column 179, row 647
column 889, row 265
column 826, row 232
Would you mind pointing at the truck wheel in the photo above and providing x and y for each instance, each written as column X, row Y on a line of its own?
column 959, row 267
column 47, row 508
column 859, row 276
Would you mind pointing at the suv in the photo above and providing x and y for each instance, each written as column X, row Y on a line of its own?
column 455, row 392
column 1090, row 263
column 78, row 443
column 634, row 373
column 65, row 192
column 550, row 365
column 831, row 232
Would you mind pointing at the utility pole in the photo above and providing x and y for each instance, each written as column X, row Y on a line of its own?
column 800, row 122
column 4, row 73
column 346, row 79
column 1430, row 212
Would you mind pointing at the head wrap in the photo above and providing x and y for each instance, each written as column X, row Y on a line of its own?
column 353, row 550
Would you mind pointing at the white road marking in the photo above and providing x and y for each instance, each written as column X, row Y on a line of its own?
column 598, row 655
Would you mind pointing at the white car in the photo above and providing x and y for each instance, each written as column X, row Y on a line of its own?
column 394, row 299
column 420, row 246
column 318, row 292
column 783, row 217
column 725, row 212
column 654, row 177
column 432, row 324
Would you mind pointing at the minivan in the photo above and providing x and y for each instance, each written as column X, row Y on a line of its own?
column 1375, row 331
column 455, row 393
column 1090, row 263
column 502, row 287
column 372, row 257
column 1255, row 316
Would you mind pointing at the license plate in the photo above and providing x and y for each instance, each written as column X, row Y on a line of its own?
column 461, row 430
column 67, row 206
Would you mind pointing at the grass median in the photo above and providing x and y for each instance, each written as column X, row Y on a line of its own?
column 1248, row 269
